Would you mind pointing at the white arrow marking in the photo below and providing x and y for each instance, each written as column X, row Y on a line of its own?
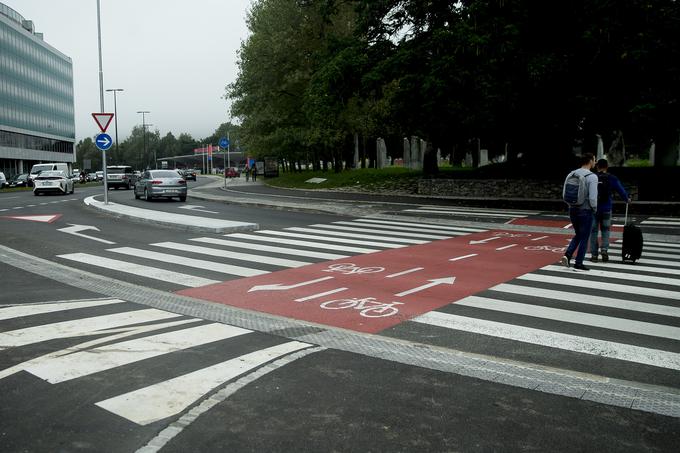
column 279, row 286
column 104, row 141
column 75, row 229
column 194, row 207
column 433, row 282
column 484, row 241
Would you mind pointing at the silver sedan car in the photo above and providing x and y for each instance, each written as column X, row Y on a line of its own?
column 161, row 184
column 52, row 181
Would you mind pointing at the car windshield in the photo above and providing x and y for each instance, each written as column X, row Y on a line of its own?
column 39, row 168
column 51, row 174
column 164, row 174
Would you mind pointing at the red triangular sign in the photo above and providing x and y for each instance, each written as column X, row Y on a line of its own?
column 35, row 218
column 103, row 120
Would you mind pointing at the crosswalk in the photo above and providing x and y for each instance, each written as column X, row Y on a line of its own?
column 487, row 214
column 615, row 311
column 201, row 261
column 183, row 358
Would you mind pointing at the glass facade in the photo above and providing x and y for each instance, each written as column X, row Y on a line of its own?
column 36, row 97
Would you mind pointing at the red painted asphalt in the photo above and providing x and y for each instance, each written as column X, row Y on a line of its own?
column 549, row 223
column 401, row 278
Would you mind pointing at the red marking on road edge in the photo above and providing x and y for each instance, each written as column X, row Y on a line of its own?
column 34, row 218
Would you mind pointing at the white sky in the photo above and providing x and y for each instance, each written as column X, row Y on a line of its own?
column 173, row 58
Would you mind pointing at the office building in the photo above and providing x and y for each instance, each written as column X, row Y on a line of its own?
column 37, row 121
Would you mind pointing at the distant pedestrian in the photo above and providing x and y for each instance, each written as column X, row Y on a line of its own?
column 247, row 171
column 254, row 173
column 580, row 193
column 602, row 220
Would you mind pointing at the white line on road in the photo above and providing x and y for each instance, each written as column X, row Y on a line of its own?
column 139, row 270
column 408, row 271
column 591, row 346
column 344, row 234
column 330, row 239
column 270, row 248
column 458, row 258
column 18, row 311
column 315, row 244
column 604, row 286
column 316, row 296
column 167, row 398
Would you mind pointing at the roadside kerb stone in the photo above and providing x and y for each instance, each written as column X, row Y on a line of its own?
column 179, row 221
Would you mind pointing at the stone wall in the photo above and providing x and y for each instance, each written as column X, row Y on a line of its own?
column 491, row 188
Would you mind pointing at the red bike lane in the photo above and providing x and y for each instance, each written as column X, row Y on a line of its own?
column 372, row 292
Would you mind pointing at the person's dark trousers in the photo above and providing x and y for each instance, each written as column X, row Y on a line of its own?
column 582, row 221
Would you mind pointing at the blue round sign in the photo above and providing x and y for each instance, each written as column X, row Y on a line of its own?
column 103, row 141
column 224, row 142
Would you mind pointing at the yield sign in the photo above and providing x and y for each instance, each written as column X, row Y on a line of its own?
column 35, row 218
column 103, row 120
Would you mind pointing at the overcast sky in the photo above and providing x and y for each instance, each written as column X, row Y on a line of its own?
column 173, row 58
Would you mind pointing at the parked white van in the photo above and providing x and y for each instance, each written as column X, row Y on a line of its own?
column 38, row 168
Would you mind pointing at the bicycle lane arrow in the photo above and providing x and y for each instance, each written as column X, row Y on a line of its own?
column 401, row 283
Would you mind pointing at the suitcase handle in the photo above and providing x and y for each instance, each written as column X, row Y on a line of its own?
column 625, row 220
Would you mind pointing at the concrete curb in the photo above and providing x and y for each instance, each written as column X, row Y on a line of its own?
column 179, row 221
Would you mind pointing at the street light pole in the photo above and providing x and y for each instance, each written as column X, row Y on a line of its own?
column 144, row 112
column 101, row 97
column 115, row 117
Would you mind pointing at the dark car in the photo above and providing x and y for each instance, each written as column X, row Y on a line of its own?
column 161, row 184
column 19, row 180
column 190, row 174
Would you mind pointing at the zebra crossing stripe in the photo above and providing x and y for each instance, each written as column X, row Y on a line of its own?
column 574, row 317
column 139, row 270
column 19, row 311
column 604, row 286
column 318, row 245
column 270, row 248
column 619, row 275
column 542, row 293
column 421, row 226
column 231, row 254
column 573, row 343
column 472, row 210
column 648, row 248
column 403, row 228
column 371, row 237
column 95, row 360
column 637, row 267
column 189, row 262
column 79, row 327
column 330, row 239
column 381, row 231
column 170, row 397
column 670, row 245
column 646, row 254
column 465, row 213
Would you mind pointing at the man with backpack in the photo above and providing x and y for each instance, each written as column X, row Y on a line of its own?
column 580, row 193
column 607, row 183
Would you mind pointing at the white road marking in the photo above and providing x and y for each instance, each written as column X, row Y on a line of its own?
column 591, row 346
column 95, row 360
column 626, row 289
column 408, row 271
column 458, row 258
column 270, row 248
column 316, row 244
column 620, row 275
column 316, row 296
column 231, row 254
column 377, row 230
column 170, row 397
column 139, row 270
column 344, row 234
column 507, row 247
column 574, row 317
column 664, row 310
column 539, row 238
column 464, row 213
column 636, row 267
column 330, row 239
column 421, row 226
column 79, row 327
column 18, row 311
column 476, row 210
column 189, row 262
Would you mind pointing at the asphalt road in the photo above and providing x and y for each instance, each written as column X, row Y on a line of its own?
column 100, row 352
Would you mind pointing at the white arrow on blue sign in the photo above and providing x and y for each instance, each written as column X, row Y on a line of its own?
column 103, row 141
column 224, row 142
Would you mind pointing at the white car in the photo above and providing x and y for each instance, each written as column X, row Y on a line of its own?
column 3, row 180
column 52, row 182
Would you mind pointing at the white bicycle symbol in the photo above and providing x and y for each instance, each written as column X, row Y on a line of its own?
column 511, row 235
column 351, row 268
column 547, row 248
column 368, row 306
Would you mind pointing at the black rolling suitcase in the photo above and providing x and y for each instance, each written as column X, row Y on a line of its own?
column 632, row 241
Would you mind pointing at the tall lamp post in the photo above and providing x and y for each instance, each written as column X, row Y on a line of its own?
column 144, row 112
column 115, row 117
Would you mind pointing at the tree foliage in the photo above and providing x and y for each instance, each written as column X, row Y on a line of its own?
column 535, row 78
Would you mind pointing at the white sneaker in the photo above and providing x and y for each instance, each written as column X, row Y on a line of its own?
column 565, row 261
